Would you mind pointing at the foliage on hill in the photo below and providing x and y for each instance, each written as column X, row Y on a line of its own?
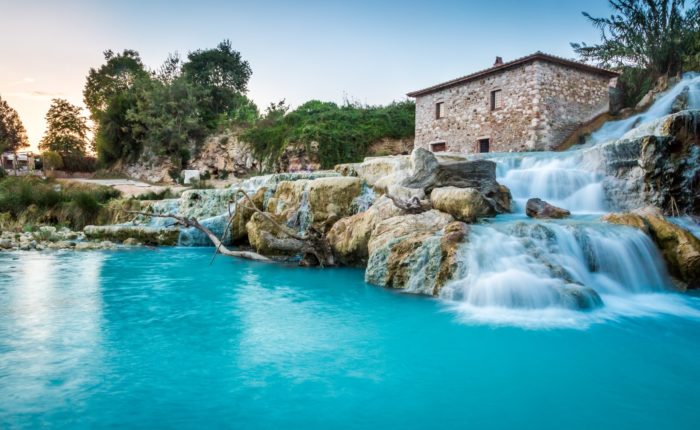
column 169, row 112
column 645, row 39
column 343, row 133
column 32, row 200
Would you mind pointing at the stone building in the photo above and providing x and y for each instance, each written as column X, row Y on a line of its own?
column 529, row 104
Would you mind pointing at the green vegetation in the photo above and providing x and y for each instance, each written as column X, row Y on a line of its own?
column 167, row 193
column 13, row 136
column 29, row 200
column 66, row 130
column 645, row 39
column 343, row 133
column 166, row 113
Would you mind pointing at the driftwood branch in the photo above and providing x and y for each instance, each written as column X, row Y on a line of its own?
column 413, row 205
column 192, row 222
column 312, row 242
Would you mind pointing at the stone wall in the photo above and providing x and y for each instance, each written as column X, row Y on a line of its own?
column 568, row 99
column 541, row 104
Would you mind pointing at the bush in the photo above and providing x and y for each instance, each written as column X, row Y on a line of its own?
column 79, row 163
column 160, row 195
column 52, row 160
column 37, row 201
column 2, row 173
column 343, row 133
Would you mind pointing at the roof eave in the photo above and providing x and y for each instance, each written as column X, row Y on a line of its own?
column 518, row 62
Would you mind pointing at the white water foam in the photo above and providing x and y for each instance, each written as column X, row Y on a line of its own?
column 572, row 273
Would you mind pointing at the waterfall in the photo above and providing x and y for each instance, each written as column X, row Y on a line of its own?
column 574, row 179
column 527, row 271
column 364, row 200
column 300, row 220
column 571, row 180
column 661, row 107
column 554, row 264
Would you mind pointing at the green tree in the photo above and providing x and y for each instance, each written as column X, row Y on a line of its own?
column 115, row 137
column 66, row 129
column 223, row 73
column 653, row 35
column 119, row 73
column 52, row 160
column 166, row 119
column 13, row 136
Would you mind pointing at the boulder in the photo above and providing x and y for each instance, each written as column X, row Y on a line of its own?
column 424, row 166
column 61, row 244
column 538, row 208
column 268, row 240
column 167, row 236
column 464, row 204
column 349, row 237
column 224, row 155
column 6, row 244
column 658, row 165
column 427, row 173
column 319, row 202
column 377, row 172
column 257, row 228
column 679, row 247
column 331, row 199
column 414, row 253
column 244, row 212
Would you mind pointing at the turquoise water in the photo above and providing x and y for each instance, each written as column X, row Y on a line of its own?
column 160, row 339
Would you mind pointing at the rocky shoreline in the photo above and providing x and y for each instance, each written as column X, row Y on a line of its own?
column 407, row 219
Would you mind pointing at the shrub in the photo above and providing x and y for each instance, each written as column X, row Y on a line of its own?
column 79, row 163
column 159, row 195
column 35, row 201
column 52, row 160
column 343, row 133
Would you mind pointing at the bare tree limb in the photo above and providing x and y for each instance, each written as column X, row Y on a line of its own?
column 411, row 206
column 192, row 222
column 312, row 242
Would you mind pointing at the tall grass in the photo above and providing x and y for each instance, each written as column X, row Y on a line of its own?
column 32, row 200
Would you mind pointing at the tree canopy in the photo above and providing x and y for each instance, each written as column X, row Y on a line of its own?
column 168, row 111
column 13, row 136
column 119, row 73
column 66, row 129
column 221, row 72
column 654, row 35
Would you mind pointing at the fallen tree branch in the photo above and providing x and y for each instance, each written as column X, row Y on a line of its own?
column 312, row 242
column 411, row 206
column 192, row 222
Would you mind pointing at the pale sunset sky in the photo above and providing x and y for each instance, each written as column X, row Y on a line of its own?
column 370, row 51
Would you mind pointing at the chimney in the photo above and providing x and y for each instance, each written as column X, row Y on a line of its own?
column 499, row 62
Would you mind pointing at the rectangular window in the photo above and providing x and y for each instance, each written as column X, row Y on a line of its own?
column 496, row 99
column 438, row 147
column 439, row 110
column 484, row 145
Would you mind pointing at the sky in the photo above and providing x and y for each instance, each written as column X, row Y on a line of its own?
column 373, row 52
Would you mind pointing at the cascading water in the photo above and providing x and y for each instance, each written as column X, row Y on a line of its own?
column 524, row 271
column 661, row 107
column 211, row 207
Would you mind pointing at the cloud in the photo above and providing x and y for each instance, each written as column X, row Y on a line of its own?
column 35, row 95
